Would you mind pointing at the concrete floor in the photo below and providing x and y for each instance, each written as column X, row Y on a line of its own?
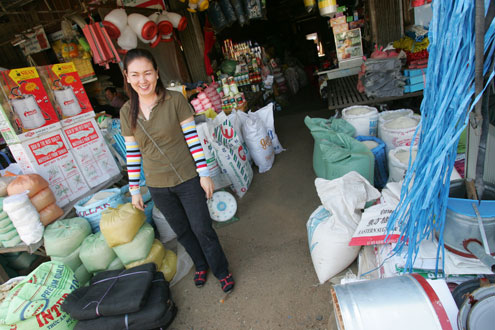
column 276, row 285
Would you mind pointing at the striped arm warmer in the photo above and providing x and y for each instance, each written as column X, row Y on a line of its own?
column 192, row 140
column 133, row 157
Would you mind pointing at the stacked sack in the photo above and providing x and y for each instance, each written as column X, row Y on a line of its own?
column 35, row 302
column 146, row 195
column 8, row 234
column 24, row 217
column 40, row 194
column 97, row 256
column 136, row 298
column 133, row 240
column 91, row 207
column 63, row 240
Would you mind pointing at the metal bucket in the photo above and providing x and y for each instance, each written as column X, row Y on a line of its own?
column 460, row 220
column 402, row 302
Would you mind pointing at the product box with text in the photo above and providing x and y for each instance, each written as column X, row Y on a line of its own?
column 91, row 152
column 68, row 92
column 26, row 111
column 50, row 157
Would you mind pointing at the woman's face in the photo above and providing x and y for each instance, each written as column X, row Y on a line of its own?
column 142, row 76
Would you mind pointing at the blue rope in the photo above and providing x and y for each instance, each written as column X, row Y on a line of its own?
column 445, row 110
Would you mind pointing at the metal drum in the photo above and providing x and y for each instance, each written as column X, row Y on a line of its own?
column 402, row 302
column 460, row 220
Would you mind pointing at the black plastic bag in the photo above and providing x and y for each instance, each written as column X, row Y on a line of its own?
column 216, row 16
column 228, row 11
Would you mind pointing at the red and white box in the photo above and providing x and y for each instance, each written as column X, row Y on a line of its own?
column 50, row 157
column 91, row 152
column 26, row 111
column 67, row 92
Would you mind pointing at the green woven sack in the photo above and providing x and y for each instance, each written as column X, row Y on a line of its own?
column 341, row 154
column 64, row 236
column 72, row 260
column 7, row 228
column 139, row 247
column 95, row 253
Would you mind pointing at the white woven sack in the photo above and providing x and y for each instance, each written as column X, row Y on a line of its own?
column 258, row 142
column 266, row 116
column 400, row 131
column 165, row 232
column 389, row 115
column 363, row 118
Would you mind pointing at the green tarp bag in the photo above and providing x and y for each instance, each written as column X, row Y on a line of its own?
column 35, row 302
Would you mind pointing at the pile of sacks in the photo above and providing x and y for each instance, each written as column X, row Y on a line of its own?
column 63, row 241
column 137, row 298
column 133, row 240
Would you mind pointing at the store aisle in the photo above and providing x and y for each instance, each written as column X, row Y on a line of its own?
column 268, row 249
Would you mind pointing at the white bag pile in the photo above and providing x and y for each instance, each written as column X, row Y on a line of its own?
column 8, row 234
column 24, row 217
column 331, row 226
column 63, row 240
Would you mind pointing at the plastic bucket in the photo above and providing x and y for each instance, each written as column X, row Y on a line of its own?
column 402, row 302
column 363, row 118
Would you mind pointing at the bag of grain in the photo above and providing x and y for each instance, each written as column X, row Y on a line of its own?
column 95, row 253
column 35, row 302
column 65, row 236
column 71, row 260
column 82, row 275
column 398, row 161
column 92, row 207
column 266, row 116
column 363, row 118
column 4, row 182
column 169, row 265
column 400, row 131
column 115, row 264
column 138, row 248
column 50, row 213
column 389, row 115
column 119, row 225
column 156, row 255
column 43, row 198
column 32, row 182
column 258, row 142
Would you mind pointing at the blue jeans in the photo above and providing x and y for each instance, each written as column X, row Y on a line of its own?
column 184, row 207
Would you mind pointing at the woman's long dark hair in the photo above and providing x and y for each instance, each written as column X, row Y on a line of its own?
column 133, row 96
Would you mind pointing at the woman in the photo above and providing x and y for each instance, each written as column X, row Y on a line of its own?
column 158, row 127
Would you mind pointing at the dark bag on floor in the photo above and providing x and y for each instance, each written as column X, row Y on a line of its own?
column 111, row 293
column 158, row 312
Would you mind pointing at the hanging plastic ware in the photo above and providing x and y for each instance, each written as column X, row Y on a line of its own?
column 128, row 39
column 115, row 22
column 144, row 28
column 216, row 17
column 228, row 11
column 327, row 7
column 309, row 5
column 179, row 22
column 377, row 147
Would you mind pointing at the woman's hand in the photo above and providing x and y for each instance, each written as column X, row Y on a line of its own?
column 137, row 202
column 207, row 185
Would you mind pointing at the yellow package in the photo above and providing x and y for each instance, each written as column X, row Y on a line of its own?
column 169, row 265
column 119, row 225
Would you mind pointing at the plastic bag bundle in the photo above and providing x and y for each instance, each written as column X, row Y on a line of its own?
column 24, row 216
column 266, row 116
column 119, row 225
column 91, row 207
column 138, row 248
column 7, row 229
column 64, row 236
column 35, row 302
column 95, row 254
column 32, row 182
column 445, row 113
column 156, row 255
column 258, row 141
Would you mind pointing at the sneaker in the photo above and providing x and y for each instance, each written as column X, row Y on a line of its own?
column 227, row 283
column 200, row 278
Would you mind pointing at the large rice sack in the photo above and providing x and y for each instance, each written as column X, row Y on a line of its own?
column 65, row 236
column 258, row 141
column 50, row 213
column 211, row 161
column 24, row 216
column 119, row 225
column 235, row 118
column 230, row 154
column 400, row 131
column 169, row 265
column 82, row 275
column 35, row 302
column 156, row 255
column 138, row 248
column 342, row 154
column 95, row 253
column 32, row 182
column 43, row 198
column 71, row 260
column 92, row 207
column 398, row 161
column 363, row 118
column 387, row 115
column 265, row 114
